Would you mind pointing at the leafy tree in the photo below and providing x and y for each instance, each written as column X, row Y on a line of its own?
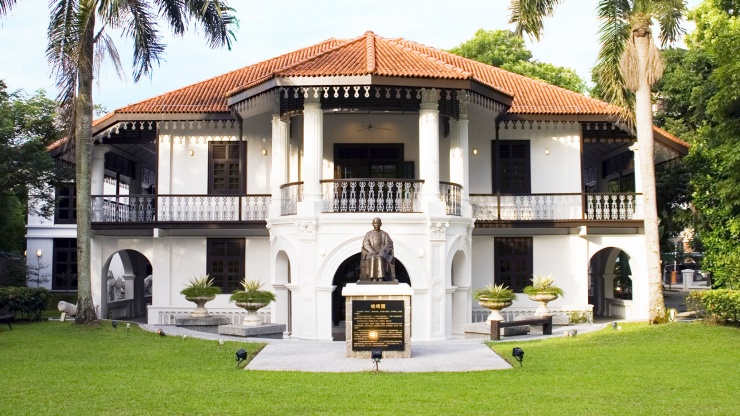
column 502, row 48
column 628, row 65
column 77, row 39
column 716, row 151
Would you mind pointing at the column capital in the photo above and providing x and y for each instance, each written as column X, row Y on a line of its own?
column 463, row 99
column 429, row 98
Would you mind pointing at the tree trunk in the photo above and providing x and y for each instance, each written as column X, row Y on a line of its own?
column 83, row 155
column 644, row 127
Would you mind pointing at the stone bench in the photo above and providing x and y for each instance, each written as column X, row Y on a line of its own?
column 496, row 326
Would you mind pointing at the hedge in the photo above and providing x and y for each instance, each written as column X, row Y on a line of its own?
column 719, row 304
column 27, row 301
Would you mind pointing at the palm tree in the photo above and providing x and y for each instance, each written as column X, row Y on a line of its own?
column 75, row 45
column 628, row 65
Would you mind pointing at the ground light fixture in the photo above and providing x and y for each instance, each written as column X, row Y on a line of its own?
column 518, row 353
column 376, row 355
column 114, row 323
column 241, row 355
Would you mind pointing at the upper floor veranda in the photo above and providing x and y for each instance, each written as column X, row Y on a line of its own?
column 417, row 151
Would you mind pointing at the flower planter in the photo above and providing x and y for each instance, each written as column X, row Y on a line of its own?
column 543, row 299
column 200, row 310
column 252, row 319
column 495, row 307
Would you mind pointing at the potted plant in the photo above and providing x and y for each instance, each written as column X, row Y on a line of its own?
column 495, row 298
column 252, row 299
column 543, row 290
column 200, row 290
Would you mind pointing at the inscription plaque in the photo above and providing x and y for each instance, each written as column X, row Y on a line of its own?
column 378, row 324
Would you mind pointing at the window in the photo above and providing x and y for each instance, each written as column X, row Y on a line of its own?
column 66, row 205
column 64, row 271
column 512, row 170
column 224, row 168
column 226, row 263
column 365, row 160
column 513, row 262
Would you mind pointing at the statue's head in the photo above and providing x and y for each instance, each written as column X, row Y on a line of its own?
column 377, row 223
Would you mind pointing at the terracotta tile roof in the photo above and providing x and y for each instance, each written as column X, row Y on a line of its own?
column 372, row 54
column 669, row 136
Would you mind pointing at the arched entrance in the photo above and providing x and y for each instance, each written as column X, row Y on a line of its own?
column 127, row 285
column 349, row 272
column 610, row 282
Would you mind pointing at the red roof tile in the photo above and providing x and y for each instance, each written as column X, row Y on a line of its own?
column 372, row 54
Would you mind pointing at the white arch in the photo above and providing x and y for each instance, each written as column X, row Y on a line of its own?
column 352, row 246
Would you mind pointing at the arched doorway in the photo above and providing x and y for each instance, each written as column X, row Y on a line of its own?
column 349, row 272
column 610, row 282
column 127, row 285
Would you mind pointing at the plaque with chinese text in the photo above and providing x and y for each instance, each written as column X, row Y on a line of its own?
column 378, row 324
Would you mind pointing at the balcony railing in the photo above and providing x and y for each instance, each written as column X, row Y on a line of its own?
column 562, row 206
column 179, row 208
column 371, row 195
column 290, row 195
column 451, row 194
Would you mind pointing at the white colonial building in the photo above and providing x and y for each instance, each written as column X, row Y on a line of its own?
column 275, row 171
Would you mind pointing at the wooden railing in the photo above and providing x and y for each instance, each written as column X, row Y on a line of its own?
column 559, row 206
column 179, row 208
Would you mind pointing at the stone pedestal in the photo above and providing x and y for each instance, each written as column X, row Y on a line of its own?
column 274, row 331
column 207, row 324
column 378, row 317
column 483, row 330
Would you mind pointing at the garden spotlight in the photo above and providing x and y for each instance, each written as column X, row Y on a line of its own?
column 376, row 355
column 518, row 353
column 241, row 355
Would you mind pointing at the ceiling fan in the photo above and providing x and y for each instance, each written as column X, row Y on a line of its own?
column 370, row 126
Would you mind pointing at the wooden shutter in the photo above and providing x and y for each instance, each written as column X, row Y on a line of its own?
column 513, row 262
column 512, row 167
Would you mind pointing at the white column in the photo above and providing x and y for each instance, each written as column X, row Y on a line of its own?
column 97, row 179
column 313, row 156
column 429, row 152
column 279, row 172
column 636, row 161
column 459, row 155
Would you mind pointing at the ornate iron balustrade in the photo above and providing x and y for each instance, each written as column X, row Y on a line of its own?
column 609, row 207
column 613, row 206
column 179, row 208
column 371, row 195
column 290, row 195
column 451, row 194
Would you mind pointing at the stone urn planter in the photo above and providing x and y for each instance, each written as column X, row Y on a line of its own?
column 495, row 307
column 200, row 310
column 252, row 298
column 542, row 291
column 495, row 298
column 200, row 290
column 252, row 319
column 543, row 299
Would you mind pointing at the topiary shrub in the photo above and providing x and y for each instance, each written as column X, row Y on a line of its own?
column 721, row 305
column 29, row 302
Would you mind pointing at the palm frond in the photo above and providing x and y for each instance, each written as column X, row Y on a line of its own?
column 105, row 47
column 614, row 32
column 216, row 19
column 172, row 11
column 140, row 25
column 6, row 6
column 528, row 15
column 668, row 14
column 62, row 52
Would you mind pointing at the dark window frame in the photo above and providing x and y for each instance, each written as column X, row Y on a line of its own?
column 240, row 162
column 65, row 204
column 368, row 155
column 499, row 155
column 219, row 261
column 68, row 261
column 513, row 260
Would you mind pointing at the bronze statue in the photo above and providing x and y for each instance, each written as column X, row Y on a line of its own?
column 377, row 263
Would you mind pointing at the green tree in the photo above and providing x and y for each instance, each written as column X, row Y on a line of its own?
column 502, row 48
column 715, row 154
column 76, row 37
column 628, row 65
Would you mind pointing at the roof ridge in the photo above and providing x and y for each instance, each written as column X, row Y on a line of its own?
column 370, row 51
column 316, row 56
column 398, row 43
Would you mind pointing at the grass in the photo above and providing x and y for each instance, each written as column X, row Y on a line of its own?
column 679, row 368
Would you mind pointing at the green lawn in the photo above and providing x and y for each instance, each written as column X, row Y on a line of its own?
column 59, row 368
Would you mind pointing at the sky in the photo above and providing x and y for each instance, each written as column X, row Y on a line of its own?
column 268, row 29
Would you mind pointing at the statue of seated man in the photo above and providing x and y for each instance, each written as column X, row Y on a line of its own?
column 377, row 256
